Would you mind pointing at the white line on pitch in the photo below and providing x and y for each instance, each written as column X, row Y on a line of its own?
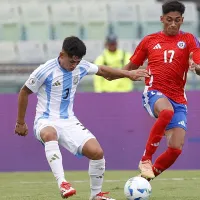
column 108, row 181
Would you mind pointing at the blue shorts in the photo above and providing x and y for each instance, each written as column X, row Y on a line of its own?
column 180, row 110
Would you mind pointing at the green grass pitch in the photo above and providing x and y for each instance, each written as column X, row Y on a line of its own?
column 171, row 185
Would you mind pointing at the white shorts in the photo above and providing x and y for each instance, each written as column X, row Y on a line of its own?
column 72, row 135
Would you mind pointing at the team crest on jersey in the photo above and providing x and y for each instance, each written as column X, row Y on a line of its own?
column 181, row 45
column 32, row 81
column 75, row 80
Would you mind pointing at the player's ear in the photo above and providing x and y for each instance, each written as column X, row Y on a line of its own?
column 61, row 54
column 161, row 19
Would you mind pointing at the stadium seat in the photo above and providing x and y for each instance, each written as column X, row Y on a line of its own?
column 30, row 52
column 95, row 20
column 126, row 45
column 8, row 52
column 124, row 20
column 149, row 15
column 66, row 19
column 94, row 49
column 190, row 23
column 35, row 18
column 10, row 27
column 52, row 48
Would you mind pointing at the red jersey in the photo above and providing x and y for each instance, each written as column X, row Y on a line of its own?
column 168, row 62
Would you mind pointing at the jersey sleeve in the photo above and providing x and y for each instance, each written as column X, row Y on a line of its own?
column 37, row 78
column 87, row 68
column 140, row 54
column 193, row 43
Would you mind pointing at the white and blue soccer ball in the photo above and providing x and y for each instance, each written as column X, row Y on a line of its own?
column 137, row 188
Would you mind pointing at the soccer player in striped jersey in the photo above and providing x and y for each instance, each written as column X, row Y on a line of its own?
column 164, row 98
column 55, row 83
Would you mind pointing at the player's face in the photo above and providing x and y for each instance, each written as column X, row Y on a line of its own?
column 67, row 62
column 172, row 22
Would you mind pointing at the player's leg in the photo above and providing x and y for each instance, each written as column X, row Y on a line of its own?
column 160, row 107
column 48, row 135
column 175, row 135
column 80, row 141
column 175, row 138
column 94, row 152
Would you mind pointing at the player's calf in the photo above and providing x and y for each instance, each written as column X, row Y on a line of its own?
column 66, row 190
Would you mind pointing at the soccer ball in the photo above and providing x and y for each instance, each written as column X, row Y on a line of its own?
column 137, row 188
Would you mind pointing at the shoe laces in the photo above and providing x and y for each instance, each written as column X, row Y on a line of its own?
column 66, row 185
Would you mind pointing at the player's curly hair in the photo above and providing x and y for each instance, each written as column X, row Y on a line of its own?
column 172, row 6
column 73, row 46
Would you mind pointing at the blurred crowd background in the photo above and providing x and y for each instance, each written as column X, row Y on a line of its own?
column 32, row 31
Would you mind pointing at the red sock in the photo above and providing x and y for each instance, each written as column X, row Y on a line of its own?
column 165, row 160
column 157, row 133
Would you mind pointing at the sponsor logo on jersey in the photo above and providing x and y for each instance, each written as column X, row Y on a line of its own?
column 57, row 83
column 181, row 45
column 157, row 46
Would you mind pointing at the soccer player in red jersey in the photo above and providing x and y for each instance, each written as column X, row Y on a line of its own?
column 168, row 53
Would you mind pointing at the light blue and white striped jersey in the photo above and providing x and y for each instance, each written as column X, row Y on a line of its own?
column 56, row 87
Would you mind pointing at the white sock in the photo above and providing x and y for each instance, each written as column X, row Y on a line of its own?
column 54, row 159
column 96, row 173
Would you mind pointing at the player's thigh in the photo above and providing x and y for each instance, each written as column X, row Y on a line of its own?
column 92, row 150
column 154, row 102
column 74, row 136
column 175, row 137
column 46, row 130
column 162, row 104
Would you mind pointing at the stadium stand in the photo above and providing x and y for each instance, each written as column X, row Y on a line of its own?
column 32, row 31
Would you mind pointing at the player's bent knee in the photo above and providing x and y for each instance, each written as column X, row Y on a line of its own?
column 97, row 154
column 48, row 135
column 176, row 145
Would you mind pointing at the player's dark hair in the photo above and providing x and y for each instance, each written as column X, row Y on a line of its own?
column 173, row 6
column 73, row 46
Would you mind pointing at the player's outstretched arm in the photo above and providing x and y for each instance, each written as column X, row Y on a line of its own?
column 194, row 61
column 130, row 66
column 21, row 127
column 111, row 74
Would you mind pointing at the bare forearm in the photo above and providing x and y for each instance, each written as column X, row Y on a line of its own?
column 22, row 105
column 111, row 73
column 130, row 66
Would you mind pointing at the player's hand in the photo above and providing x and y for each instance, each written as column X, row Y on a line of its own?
column 138, row 74
column 192, row 65
column 21, row 129
column 191, row 62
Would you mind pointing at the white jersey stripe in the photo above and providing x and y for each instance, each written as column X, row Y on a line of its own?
column 45, row 70
column 56, row 93
column 41, row 71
